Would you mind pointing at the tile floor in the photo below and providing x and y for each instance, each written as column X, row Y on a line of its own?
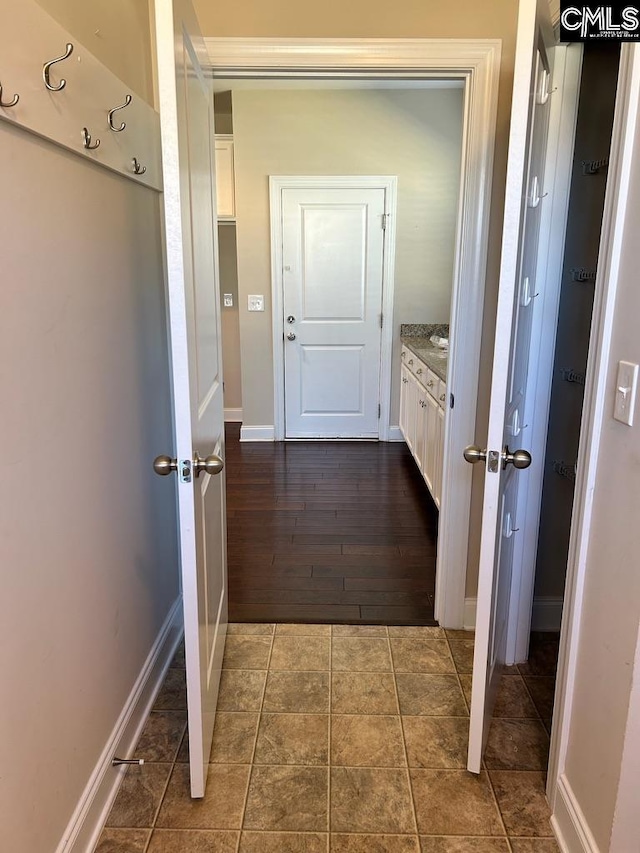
column 344, row 738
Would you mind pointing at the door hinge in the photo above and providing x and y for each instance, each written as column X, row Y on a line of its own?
column 379, row 410
column 384, row 221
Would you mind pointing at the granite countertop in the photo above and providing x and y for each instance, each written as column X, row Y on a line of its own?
column 416, row 338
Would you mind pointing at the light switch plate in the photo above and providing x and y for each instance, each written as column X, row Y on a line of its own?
column 256, row 302
column 625, row 398
column 228, row 300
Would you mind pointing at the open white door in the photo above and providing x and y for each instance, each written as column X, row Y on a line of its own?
column 188, row 155
column 503, row 504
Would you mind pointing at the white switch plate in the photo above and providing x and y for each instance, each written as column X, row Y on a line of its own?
column 256, row 303
column 228, row 300
column 626, row 384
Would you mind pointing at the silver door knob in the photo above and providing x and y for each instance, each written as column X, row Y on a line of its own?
column 211, row 464
column 474, row 454
column 291, row 319
column 291, row 336
column 519, row 458
column 164, row 465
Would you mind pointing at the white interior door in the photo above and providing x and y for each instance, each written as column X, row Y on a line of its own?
column 504, row 514
column 188, row 152
column 333, row 255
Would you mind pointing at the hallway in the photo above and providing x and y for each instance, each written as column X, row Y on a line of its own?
column 343, row 738
column 339, row 532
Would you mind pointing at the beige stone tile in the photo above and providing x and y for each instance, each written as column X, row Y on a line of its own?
column 466, row 680
column 256, row 629
column 359, row 630
column 360, row 654
column 178, row 658
column 366, row 741
column 161, row 736
column 454, row 802
column 284, row 842
column 293, row 739
column 139, row 796
column 522, row 801
column 288, row 799
column 421, row 655
column 534, row 845
column 179, row 811
column 543, row 656
column 304, row 654
column 430, row 694
column 417, row 632
column 451, row 844
column 241, row 689
column 234, row 737
column 303, row 630
column 363, row 693
column 517, row 745
column 173, row 693
column 512, row 699
column 542, row 689
column 459, row 634
column 193, row 841
column 123, row 841
column 376, row 801
column 462, row 651
column 436, row 742
column 246, row 652
column 341, row 843
column 297, row 692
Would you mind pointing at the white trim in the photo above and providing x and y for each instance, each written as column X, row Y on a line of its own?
column 395, row 434
column 546, row 614
column 470, row 605
column 257, row 433
column 563, row 115
column 233, row 416
column 569, row 823
column 613, row 224
column 278, row 183
column 477, row 63
column 95, row 803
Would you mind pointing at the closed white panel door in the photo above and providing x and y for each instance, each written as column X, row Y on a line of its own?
column 188, row 152
column 504, row 509
column 333, row 252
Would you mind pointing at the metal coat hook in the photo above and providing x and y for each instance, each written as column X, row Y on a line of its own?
column 86, row 140
column 46, row 68
column 11, row 103
column 136, row 168
column 127, row 101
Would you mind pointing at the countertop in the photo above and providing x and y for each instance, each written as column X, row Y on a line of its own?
column 435, row 358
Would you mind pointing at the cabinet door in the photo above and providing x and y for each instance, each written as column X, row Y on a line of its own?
column 421, row 427
column 429, row 470
column 404, row 401
column 412, row 413
column 225, row 184
column 439, row 455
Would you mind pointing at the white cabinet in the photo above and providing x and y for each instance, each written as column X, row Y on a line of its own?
column 225, row 180
column 422, row 403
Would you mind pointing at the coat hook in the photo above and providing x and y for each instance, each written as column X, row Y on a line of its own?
column 47, row 67
column 127, row 101
column 137, row 168
column 11, row 103
column 86, row 140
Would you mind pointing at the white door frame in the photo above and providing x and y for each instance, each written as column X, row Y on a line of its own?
column 477, row 64
column 278, row 183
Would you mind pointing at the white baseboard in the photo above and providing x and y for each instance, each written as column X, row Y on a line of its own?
column 81, row 834
column 257, row 433
column 545, row 616
column 233, row 416
column 395, row 434
column 569, row 823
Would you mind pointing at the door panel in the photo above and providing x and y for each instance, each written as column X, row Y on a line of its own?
column 503, row 503
column 193, row 296
column 332, row 251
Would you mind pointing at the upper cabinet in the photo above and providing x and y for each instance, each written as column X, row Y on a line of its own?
column 225, row 183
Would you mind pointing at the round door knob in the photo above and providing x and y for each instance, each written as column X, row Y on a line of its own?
column 164, row 465
column 211, row 464
column 519, row 458
column 291, row 336
column 474, row 454
column 291, row 319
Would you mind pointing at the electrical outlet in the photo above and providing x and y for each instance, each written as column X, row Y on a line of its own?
column 228, row 300
column 256, row 303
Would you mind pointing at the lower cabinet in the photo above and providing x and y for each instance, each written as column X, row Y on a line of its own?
column 422, row 425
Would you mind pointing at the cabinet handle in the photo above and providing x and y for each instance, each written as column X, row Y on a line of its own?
column 405, row 380
column 430, row 383
column 403, row 354
column 418, row 371
column 443, row 397
column 410, row 361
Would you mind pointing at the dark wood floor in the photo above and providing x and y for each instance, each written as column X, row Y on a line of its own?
column 328, row 532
